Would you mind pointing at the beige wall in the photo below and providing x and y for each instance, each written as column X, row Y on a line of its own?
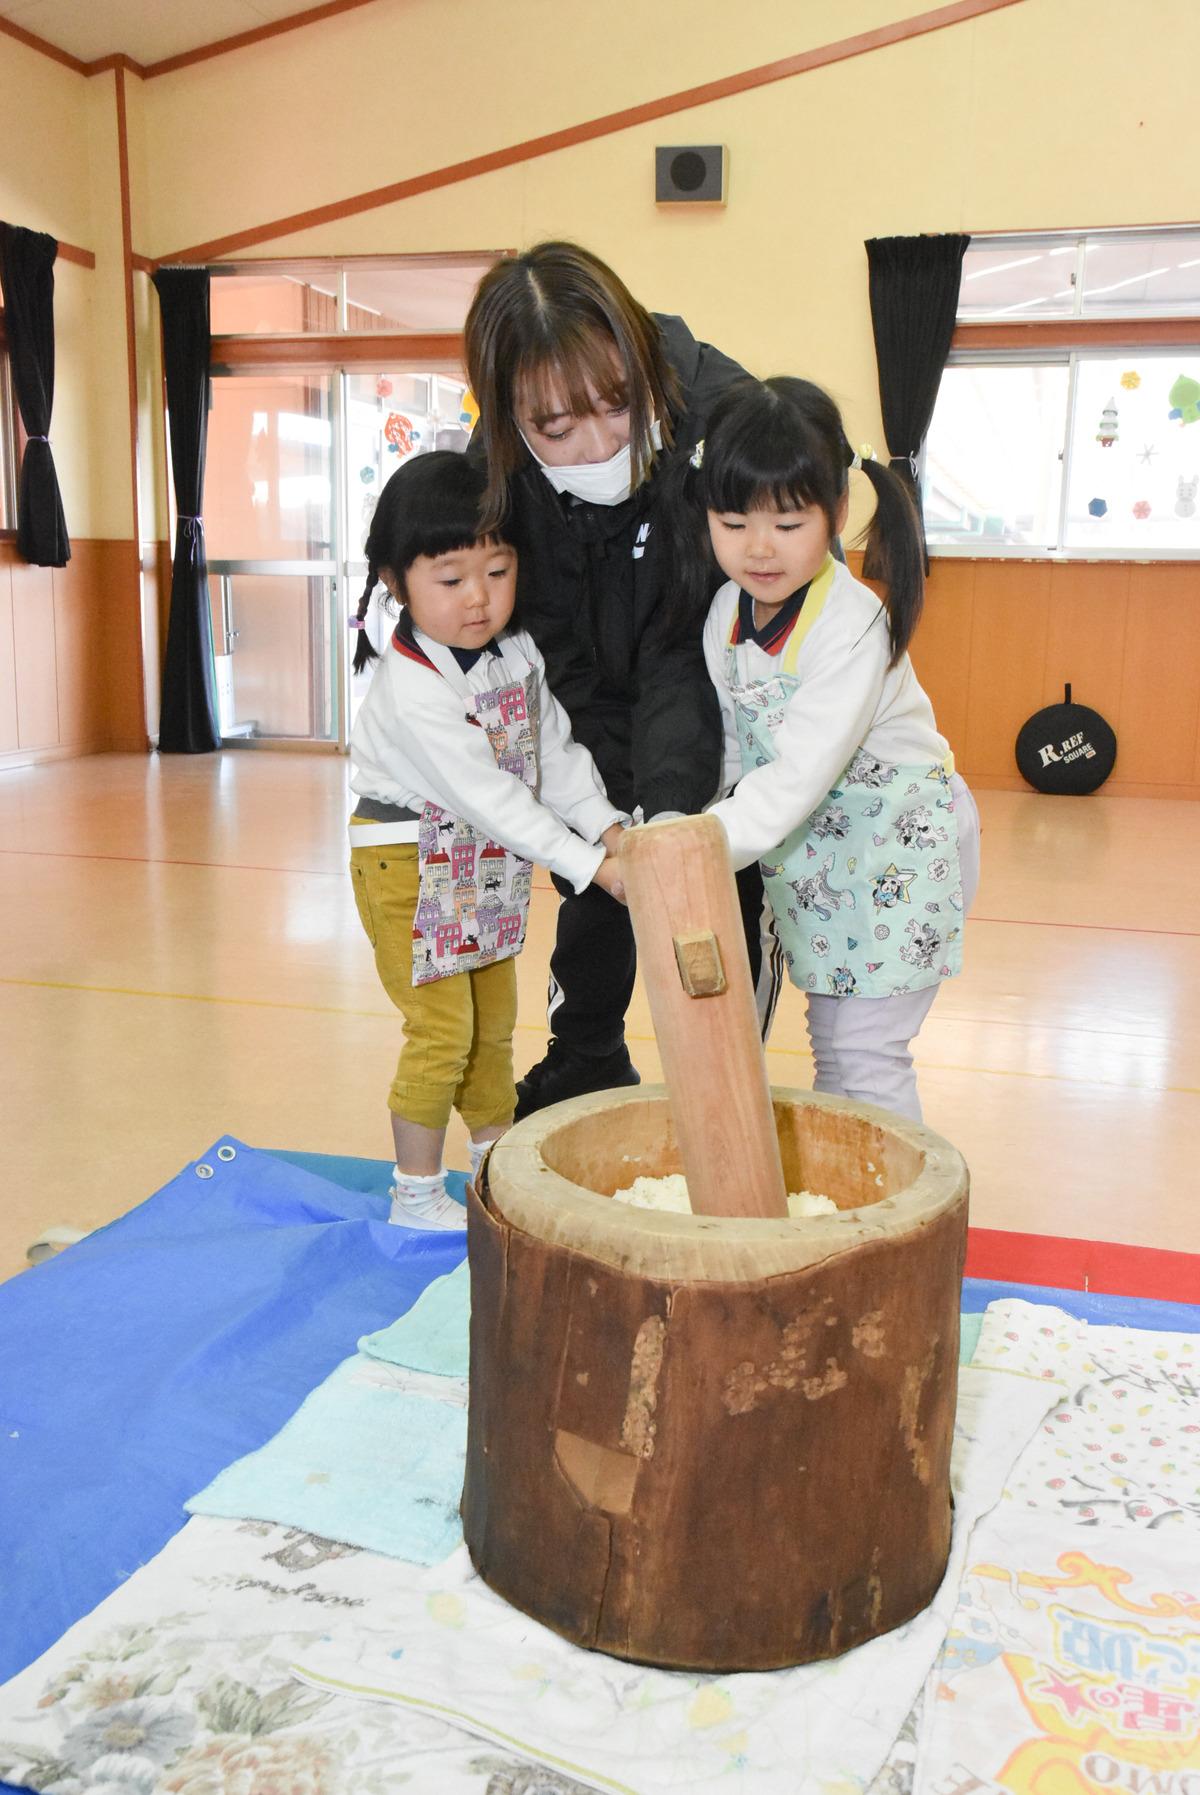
column 401, row 86
column 58, row 173
column 1047, row 113
column 70, row 650
column 44, row 151
column 110, row 463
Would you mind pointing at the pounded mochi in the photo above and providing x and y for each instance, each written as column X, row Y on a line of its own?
column 671, row 1193
column 657, row 1193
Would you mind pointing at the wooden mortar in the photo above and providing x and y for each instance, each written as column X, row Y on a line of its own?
column 713, row 1442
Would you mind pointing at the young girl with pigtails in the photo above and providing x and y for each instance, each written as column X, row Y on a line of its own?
column 465, row 772
column 837, row 779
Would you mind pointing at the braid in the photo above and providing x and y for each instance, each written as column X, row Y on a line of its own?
column 364, row 653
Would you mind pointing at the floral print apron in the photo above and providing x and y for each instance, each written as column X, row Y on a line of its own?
column 473, row 900
column 867, row 891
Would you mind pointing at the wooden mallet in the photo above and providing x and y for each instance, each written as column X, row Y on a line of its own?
column 692, row 951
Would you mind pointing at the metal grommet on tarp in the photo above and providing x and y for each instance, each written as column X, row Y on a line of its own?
column 1066, row 749
column 203, row 1170
column 226, row 1153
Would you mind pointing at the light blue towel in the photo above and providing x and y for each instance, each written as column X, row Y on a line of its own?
column 364, row 1460
column 374, row 1456
column 433, row 1335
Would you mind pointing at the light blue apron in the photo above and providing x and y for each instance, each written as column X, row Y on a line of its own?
column 867, row 891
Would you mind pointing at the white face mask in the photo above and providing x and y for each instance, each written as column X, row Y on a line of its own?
column 596, row 482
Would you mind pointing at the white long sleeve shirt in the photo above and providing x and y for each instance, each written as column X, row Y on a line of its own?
column 848, row 698
column 412, row 744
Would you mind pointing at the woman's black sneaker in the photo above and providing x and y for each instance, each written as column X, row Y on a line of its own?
column 564, row 1073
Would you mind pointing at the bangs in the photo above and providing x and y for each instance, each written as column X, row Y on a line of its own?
column 765, row 463
column 432, row 506
column 433, row 537
column 581, row 358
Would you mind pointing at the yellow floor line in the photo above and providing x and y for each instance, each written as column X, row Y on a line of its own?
column 321, row 1009
column 250, row 1003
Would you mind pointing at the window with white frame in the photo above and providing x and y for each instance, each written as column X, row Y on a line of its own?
column 1072, row 449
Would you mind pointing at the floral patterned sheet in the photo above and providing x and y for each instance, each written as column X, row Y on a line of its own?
column 459, row 1651
column 179, row 1682
column 1073, row 1660
column 182, row 1679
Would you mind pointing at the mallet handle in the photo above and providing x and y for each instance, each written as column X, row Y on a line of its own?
column 684, row 905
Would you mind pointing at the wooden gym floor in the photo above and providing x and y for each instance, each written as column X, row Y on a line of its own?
column 181, row 959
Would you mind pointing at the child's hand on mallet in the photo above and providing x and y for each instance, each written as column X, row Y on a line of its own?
column 608, row 877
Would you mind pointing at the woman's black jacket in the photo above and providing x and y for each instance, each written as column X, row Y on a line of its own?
column 592, row 583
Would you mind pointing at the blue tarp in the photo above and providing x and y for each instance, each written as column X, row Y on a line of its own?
column 145, row 1359
column 1089, row 1305
column 136, row 1365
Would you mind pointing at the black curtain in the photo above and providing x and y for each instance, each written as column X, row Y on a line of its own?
column 188, row 723
column 27, row 274
column 914, row 301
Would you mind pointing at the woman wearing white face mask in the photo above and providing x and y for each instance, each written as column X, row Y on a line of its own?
column 586, row 401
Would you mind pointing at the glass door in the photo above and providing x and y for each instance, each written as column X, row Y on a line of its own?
column 270, row 490
column 391, row 414
column 296, row 463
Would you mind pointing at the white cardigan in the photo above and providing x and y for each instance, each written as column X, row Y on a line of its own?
column 848, row 698
column 412, row 744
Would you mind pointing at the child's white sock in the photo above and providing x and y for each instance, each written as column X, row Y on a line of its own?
column 479, row 1151
column 420, row 1202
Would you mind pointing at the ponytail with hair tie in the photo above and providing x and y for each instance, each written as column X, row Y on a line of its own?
column 895, row 550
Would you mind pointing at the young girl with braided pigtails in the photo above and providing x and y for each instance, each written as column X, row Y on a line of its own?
column 837, row 779
column 465, row 773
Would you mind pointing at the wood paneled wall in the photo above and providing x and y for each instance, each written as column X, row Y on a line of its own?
column 70, row 654
column 999, row 639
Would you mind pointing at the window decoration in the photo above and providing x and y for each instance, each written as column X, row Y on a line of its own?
column 1143, row 459
column 1076, row 431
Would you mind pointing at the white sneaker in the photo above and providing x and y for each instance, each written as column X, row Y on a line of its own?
column 438, row 1211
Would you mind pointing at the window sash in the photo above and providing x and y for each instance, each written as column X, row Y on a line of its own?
column 1060, row 550
column 1089, row 289
column 348, row 296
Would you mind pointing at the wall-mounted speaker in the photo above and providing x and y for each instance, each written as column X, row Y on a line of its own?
column 690, row 174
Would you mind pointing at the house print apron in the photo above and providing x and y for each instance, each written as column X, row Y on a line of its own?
column 867, row 891
column 473, row 899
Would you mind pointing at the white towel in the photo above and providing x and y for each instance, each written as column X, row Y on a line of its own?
column 461, row 1653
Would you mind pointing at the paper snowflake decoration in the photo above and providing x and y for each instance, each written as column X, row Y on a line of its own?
column 1147, row 455
column 1142, row 508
